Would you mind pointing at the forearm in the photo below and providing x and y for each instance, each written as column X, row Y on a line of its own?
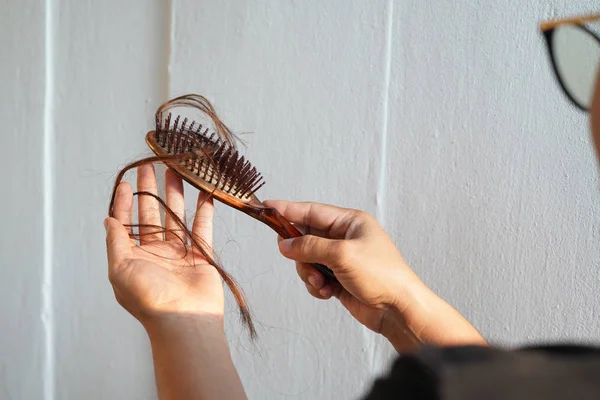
column 192, row 359
column 426, row 319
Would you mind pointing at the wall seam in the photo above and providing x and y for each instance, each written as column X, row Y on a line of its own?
column 47, row 316
column 166, row 90
column 382, row 183
column 169, row 48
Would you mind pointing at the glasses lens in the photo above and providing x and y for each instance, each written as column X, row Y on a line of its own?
column 576, row 54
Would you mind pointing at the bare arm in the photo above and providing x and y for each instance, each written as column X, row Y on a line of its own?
column 174, row 292
column 192, row 359
column 376, row 285
column 425, row 318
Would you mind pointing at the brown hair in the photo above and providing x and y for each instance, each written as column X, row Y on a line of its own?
column 201, row 104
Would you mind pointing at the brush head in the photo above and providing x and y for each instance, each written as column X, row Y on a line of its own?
column 207, row 162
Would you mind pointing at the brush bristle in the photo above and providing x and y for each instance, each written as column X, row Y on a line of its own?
column 211, row 159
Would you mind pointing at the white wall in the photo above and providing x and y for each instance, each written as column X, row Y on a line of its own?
column 440, row 118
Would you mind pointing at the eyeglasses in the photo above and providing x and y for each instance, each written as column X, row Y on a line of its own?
column 575, row 54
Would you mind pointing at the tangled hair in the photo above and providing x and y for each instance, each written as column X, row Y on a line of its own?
column 201, row 104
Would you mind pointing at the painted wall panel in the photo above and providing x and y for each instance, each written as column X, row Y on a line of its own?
column 496, row 203
column 22, row 88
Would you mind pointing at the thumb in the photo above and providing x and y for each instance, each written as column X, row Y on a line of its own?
column 118, row 245
column 315, row 249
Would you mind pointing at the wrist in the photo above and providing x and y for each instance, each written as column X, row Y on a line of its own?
column 402, row 321
column 192, row 358
column 425, row 318
column 182, row 325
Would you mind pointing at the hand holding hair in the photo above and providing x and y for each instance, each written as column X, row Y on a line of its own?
column 376, row 285
column 156, row 277
column 172, row 289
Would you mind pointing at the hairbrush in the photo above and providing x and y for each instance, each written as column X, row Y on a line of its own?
column 213, row 165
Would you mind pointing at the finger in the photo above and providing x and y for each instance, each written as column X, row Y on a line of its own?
column 316, row 293
column 175, row 201
column 340, row 293
column 310, row 275
column 203, row 220
column 123, row 206
column 326, row 292
column 118, row 246
column 307, row 230
column 148, row 208
column 334, row 221
column 313, row 249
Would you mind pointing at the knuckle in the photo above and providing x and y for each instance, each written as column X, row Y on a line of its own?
column 313, row 292
column 341, row 251
column 308, row 217
column 362, row 216
column 304, row 245
column 359, row 222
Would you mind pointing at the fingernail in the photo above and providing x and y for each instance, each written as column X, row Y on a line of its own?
column 312, row 281
column 285, row 245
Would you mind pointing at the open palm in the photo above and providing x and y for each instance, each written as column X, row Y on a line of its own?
column 161, row 275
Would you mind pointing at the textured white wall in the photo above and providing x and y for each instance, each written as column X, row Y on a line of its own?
column 22, row 333
column 442, row 119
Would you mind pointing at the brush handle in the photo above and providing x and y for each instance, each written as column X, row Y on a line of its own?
column 286, row 230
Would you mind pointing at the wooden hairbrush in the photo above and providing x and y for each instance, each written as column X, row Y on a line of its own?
column 213, row 165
